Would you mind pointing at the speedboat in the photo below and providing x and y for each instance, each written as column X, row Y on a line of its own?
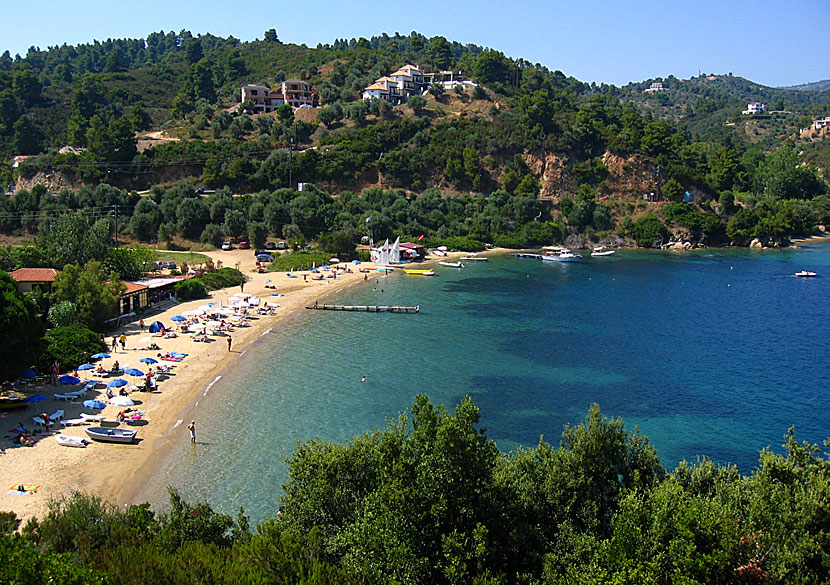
column 419, row 272
column 67, row 441
column 564, row 256
column 805, row 274
column 109, row 435
column 601, row 251
column 452, row 264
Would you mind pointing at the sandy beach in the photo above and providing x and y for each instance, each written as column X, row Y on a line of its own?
column 115, row 471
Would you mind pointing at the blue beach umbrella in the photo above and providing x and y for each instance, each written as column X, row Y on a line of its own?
column 178, row 318
column 212, row 304
column 69, row 380
column 117, row 383
column 156, row 326
column 35, row 398
column 148, row 360
column 315, row 271
column 28, row 374
column 99, row 356
column 277, row 295
column 85, row 367
column 94, row 404
column 133, row 372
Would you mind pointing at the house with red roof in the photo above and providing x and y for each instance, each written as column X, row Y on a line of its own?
column 30, row 279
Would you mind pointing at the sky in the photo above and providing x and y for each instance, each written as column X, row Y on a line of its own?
column 774, row 43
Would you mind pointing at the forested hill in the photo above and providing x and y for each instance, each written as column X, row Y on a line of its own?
column 524, row 132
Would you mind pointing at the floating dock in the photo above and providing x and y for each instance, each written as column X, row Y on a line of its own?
column 524, row 255
column 366, row 308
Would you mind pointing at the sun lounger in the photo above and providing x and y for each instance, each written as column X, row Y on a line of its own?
column 92, row 417
column 39, row 422
column 66, row 397
column 57, row 415
column 74, row 422
column 171, row 359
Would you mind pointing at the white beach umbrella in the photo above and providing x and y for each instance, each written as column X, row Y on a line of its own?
column 145, row 340
column 224, row 311
column 197, row 326
column 213, row 324
column 121, row 401
column 205, row 308
column 193, row 312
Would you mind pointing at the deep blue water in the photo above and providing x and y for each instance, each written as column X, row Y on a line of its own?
column 712, row 353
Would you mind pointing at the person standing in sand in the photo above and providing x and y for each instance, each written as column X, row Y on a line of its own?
column 141, row 325
column 192, row 428
column 114, row 343
column 230, row 340
column 123, row 340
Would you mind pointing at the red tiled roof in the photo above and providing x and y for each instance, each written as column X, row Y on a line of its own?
column 34, row 274
column 133, row 287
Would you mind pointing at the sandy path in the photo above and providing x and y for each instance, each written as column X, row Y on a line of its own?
column 114, row 471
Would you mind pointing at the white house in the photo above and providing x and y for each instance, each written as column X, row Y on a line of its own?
column 754, row 108
column 655, row 87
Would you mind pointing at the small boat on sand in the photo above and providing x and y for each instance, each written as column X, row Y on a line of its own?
column 601, row 251
column 12, row 399
column 108, row 435
column 419, row 272
column 805, row 274
column 474, row 258
column 67, row 441
column 452, row 264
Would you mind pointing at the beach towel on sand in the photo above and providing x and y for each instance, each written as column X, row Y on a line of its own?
column 16, row 490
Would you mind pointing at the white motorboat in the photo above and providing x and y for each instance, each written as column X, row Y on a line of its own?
column 452, row 264
column 564, row 256
column 439, row 253
column 474, row 258
column 67, row 441
column 601, row 251
column 805, row 274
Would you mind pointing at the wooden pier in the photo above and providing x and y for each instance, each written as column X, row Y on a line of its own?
column 366, row 308
column 526, row 255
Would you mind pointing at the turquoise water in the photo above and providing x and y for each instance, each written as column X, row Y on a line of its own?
column 715, row 353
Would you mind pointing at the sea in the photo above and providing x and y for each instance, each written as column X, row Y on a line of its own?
column 712, row 353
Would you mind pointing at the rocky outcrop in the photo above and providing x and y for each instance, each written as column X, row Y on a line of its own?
column 54, row 182
column 628, row 176
column 553, row 173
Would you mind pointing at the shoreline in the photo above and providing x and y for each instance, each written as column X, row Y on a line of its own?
column 116, row 472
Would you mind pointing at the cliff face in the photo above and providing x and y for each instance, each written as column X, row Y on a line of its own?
column 629, row 177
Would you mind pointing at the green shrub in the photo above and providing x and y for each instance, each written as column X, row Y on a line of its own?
column 463, row 243
column 70, row 346
column 189, row 289
column 223, row 278
column 297, row 261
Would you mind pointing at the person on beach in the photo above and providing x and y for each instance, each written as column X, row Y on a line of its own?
column 192, row 428
column 141, row 325
column 230, row 340
column 54, row 369
column 114, row 343
column 123, row 340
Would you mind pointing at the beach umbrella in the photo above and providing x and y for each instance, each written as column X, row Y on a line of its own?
column 145, row 339
column 224, row 311
column 28, row 374
column 156, row 326
column 267, row 280
column 178, row 318
column 213, row 324
column 355, row 261
column 277, row 295
column 148, row 360
column 133, row 372
column 212, row 304
column 193, row 312
column 35, row 398
column 178, row 354
column 314, row 270
column 334, row 260
column 197, row 326
column 85, row 367
column 69, row 380
column 99, row 356
column 204, row 308
column 121, row 401
column 117, row 383
column 94, row 404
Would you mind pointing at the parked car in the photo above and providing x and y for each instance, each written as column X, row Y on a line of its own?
column 227, row 246
column 259, row 251
column 265, row 258
column 244, row 246
column 281, row 245
column 271, row 246
column 168, row 265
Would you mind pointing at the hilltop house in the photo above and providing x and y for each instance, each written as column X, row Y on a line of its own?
column 754, row 108
column 655, row 87
column 293, row 92
column 409, row 80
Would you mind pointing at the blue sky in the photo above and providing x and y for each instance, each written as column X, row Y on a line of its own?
column 773, row 43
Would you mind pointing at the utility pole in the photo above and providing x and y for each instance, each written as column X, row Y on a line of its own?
column 115, row 207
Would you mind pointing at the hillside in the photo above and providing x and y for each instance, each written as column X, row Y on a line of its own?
column 586, row 155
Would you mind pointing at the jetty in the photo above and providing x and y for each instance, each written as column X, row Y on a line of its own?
column 366, row 308
column 526, row 255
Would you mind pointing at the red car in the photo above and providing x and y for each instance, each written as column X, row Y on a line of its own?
column 244, row 246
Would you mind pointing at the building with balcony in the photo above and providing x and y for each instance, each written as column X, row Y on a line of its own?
column 754, row 108
column 293, row 92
